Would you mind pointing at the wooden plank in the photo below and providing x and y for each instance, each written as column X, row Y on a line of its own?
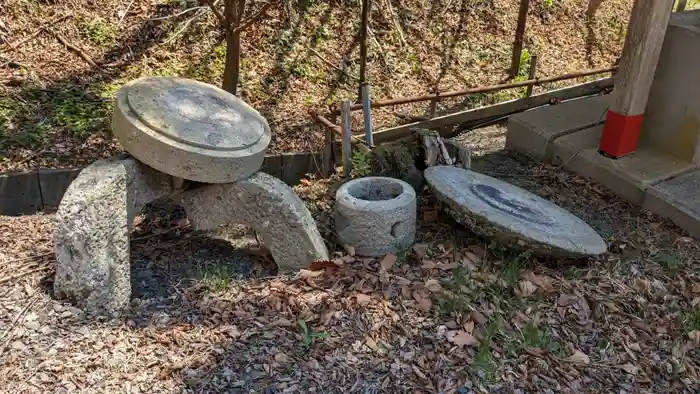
column 533, row 74
column 497, row 110
column 640, row 56
column 347, row 133
column 20, row 193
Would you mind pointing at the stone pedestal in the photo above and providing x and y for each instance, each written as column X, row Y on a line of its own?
column 178, row 130
column 672, row 117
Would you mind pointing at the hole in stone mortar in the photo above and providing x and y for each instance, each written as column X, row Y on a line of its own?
column 376, row 190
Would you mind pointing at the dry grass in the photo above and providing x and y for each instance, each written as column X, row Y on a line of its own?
column 54, row 110
column 454, row 315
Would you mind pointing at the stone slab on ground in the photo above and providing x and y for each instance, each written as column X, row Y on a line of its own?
column 677, row 199
column 267, row 205
column 20, row 194
column 532, row 131
column 189, row 129
column 629, row 176
column 91, row 234
column 512, row 216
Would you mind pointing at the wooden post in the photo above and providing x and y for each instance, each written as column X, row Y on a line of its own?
column 681, row 5
column 366, row 4
column 640, row 55
column 519, row 37
column 533, row 74
column 347, row 132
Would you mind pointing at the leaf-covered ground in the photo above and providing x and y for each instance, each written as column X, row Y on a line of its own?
column 55, row 106
column 454, row 314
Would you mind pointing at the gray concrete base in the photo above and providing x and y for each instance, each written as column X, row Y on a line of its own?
column 532, row 132
column 630, row 176
column 678, row 199
column 664, row 184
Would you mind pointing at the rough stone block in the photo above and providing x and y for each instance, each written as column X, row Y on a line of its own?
column 376, row 215
column 629, row 176
column 19, row 194
column 91, row 235
column 677, row 199
column 532, row 131
column 267, row 205
column 54, row 183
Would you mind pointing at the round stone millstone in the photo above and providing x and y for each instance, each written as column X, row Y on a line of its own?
column 189, row 129
column 376, row 215
column 512, row 216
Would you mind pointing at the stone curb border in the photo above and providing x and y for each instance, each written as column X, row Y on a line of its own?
column 26, row 193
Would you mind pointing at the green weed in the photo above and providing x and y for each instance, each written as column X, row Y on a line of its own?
column 216, row 277
column 97, row 31
column 691, row 321
column 361, row 163
column 308, row 335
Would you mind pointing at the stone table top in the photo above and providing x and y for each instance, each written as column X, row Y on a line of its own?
column 195, row 113
column 190, row 129
column 494, row 208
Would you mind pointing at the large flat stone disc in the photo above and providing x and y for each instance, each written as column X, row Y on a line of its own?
column 190, row 129
column 512, row 216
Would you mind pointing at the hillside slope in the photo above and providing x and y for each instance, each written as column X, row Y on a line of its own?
column 55, row 105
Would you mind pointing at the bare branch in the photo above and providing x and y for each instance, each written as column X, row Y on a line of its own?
column 260, row 14
column 218, row 14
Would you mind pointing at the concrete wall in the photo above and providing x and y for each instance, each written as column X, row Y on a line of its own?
column 672, row 118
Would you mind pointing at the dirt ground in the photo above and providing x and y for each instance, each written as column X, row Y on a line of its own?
column 455, row 314
column 56, row 99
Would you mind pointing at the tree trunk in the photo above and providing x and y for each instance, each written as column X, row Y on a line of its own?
column 233, row 12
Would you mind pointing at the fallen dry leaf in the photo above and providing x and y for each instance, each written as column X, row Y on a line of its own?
column 579, row 358
column 448, row 266
column 371, row 343
column 420, row 250
column 641, row 285
column 478, row 317
column 461, row 338
column 629, row 368
column 433, row 285
column 281, row 357
column 363, row 299
column 526, row 288
column 424, row 305
column 388, row 261
column 428, row 265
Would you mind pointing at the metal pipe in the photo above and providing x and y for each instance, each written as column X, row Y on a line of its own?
column 367, row 112
column 484, row 89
